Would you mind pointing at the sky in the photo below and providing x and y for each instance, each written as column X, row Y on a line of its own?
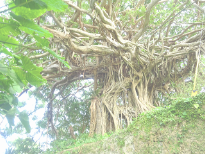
column 30, row 106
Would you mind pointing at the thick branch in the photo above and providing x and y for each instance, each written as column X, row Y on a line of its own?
column 56, row 20
column 103, row 18
column 39, row 56
column 77, row 8
column 83, row 33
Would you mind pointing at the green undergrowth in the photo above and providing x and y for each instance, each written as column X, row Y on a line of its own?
column 59, row 145
column 181, row 110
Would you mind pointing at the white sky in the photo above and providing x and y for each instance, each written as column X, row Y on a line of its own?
column 30, row 105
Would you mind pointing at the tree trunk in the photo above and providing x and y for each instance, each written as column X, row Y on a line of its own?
column 120, row 104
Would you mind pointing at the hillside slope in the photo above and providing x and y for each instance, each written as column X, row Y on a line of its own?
column 176, row 128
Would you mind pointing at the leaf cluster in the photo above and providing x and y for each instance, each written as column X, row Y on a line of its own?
column 18, row 71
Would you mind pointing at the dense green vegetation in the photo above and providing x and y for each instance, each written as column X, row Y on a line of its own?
column 100, row 69
column 181, row 117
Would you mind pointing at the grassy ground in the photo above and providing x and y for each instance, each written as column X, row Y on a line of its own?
column 175, row 128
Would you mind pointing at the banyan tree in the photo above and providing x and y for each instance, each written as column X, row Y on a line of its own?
column 133, row 50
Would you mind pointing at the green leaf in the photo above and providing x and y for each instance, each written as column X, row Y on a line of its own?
column 9, row 27
column 12, row 111
column 4, row 105
column 55, row 5
column 17, row 85
column 32, row 4
column 5, row 51
column 33, row 75
column 30, row 27
column 35, row 80
column 29, row 66
column 30, row 14
column 61, row 59
column 41, row 41
column 10, row 119
column 11, row 115
column 23, row 117
column 21, row 74
column 8, row 41
column 14, row 101
column 196, row 106
column 6, row 84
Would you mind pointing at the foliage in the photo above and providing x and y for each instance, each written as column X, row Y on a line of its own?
column 27, row 145
column 182, row 109
column 178, row 111
column 60, row 145
column 137, row 56
column 17, row 71
column 183, row 88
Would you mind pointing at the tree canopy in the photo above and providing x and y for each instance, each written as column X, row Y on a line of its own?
column 120, row 55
